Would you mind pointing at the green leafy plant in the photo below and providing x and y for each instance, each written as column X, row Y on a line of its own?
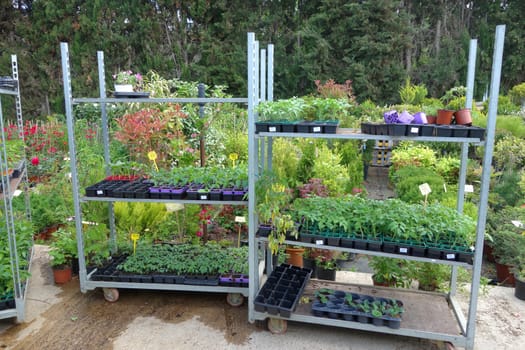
column 394, row 272
column 63, row 248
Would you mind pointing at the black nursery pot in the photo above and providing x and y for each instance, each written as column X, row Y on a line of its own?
column 519, row 289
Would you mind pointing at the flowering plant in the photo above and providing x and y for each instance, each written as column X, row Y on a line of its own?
column 128, row 77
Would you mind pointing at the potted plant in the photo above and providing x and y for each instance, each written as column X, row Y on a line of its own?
column 273, row 199
column 326, row 264
column 519, row 275
column 127, row 81
column 390, row 272
column 63, row 251
column 280, row 115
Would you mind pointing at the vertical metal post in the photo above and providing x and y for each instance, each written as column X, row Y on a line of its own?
column 462, row 176
column 270, row 72
column 485, row 180
column 471, row 72
column 201, row 94
column 262, row 69
column 68, row 97
column 252, row 172
column 20, row 126
column 9, row 222
column 105, row 141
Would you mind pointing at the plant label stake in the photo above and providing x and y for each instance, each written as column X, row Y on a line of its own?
column 152, row 155
column 135, row 237
column 517, row 223
column 425, row 190
column 240, row 220
column 469, row 189
column 233, row 157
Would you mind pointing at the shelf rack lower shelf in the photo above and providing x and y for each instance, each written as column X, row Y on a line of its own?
column 90, row 285
column 372, row 252
column 427, row 315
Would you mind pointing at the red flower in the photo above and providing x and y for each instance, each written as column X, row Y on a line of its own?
column 199, row 234
column 35, row 161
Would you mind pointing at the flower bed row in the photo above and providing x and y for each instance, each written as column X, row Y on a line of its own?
column 304, row 126
column 355, row 307
column 399, row 129
column 143, row 188
column 282, row 290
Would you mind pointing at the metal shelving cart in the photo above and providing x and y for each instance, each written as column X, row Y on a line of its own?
column 432, row 316
column 235, row 295
column 10, row 188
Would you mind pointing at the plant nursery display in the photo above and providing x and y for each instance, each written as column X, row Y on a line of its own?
column 302, row 115
column 429, row 232
column 151, row 155
column 405, row 124
column 354, row 307
column 191, row 264
column 391, row 226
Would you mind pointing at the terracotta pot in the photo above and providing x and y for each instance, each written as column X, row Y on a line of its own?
column 431, row 119
column 62, row 274
column 463, row 117
column 295, row 256
column 444, row 116
column 504, row 275
column 488, row 252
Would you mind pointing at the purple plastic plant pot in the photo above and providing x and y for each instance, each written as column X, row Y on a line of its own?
column 420, row 118
column 405, row 118
column 390, row 117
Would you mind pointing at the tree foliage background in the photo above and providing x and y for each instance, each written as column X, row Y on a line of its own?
column 375, row 43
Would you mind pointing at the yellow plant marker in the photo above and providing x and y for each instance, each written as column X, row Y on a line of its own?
column 233, row 157
column 152, row 155
column 135, row 237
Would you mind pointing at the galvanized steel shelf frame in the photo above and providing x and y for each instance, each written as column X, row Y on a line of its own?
column 259, row 155
column 9, row 188
column 85, row 282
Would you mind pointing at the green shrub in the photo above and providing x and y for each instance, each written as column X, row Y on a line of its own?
column 407, row 180
column 505, row 105
column 509, row 153
column 327, row 166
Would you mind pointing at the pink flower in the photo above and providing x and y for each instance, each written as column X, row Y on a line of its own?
column 199, row 233
column 35, row 161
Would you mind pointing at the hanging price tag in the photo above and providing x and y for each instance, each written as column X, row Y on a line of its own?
column 425, row 189
column 240, row 219
column 469, row 188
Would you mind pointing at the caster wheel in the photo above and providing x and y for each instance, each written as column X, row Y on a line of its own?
column 111, row 294
column 277, row 326
column 234, row 299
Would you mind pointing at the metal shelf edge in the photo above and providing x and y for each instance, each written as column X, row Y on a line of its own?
column 371, row 252
column 154, row 200
column 163, row 286
column 456, row 339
